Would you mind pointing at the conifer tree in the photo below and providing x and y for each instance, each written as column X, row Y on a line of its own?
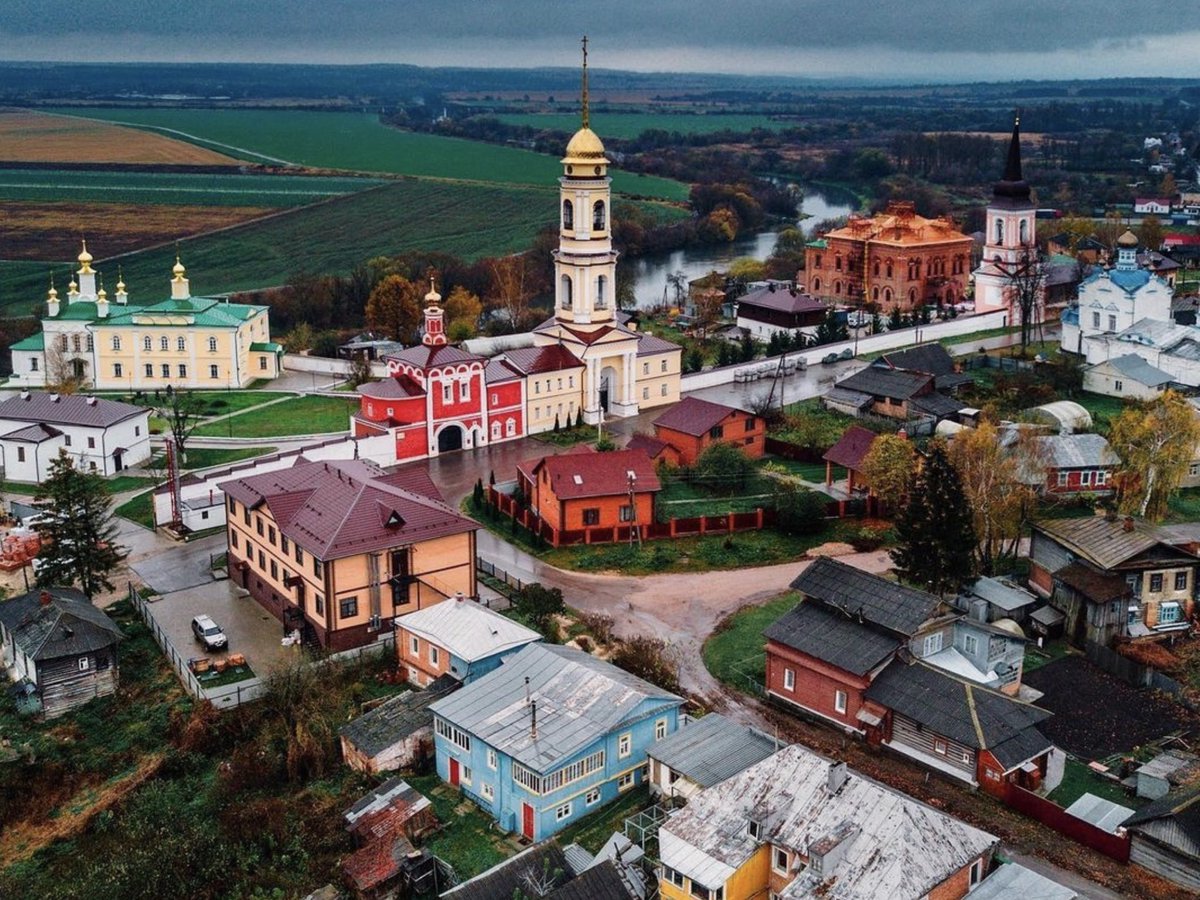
column 79, row 534
column 935, row 531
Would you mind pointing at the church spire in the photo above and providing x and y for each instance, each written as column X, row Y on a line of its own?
column 584, row 93
column 1012, row 168
column 1013, row 187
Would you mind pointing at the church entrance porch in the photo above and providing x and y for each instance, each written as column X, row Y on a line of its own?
column 608, row 388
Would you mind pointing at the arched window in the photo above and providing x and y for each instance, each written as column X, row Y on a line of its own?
column 598, row 216
column 837, row 287
column 1024, row 231
column 889, row 268
column 875, row 294
column 495, row 431
column 912, row 296
column 875, row 269
column 163, row 343
column 180, row 343
column 510, row 427
column 887, row 296
column 145, row 342
column 817, row 261
column 602, row 292
column 999, row 231
column 837, row 263
column 568, row 222
column 816, row 284
column 565, row 292
column 116, row 342
column 212, row 345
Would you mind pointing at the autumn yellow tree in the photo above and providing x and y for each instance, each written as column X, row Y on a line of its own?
column 394, row 308
column 463, row 310
column 1156, row 442
column 997, row 477
column 512, row 288
column 888, row 468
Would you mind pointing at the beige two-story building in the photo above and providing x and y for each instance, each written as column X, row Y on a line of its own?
column 337, row 550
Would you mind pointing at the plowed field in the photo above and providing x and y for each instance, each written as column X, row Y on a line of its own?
column 39, row 137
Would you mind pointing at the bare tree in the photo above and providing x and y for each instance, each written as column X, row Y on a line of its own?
column 511, row 290
column 1025, row 284
column 62, row 375
column 182, row 412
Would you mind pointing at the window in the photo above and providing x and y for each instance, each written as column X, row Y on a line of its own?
column 939, row 746
column 663, row 390
column 1170, row 613
column 464, row 390
column 966, row 757
column 117, row 370
column 970, row 644
column 839, row 701
column 33, row 364
column 563, row 812
column 625, row 782
column 495, row 431
column 67, row 440
column 598, row 216
column 624, row 745
column 348, row 608
column 137, row 430
column 163, row 343
column 568, row 216
column 1085, row 478
column 1063, row 477
column 663, row 366
column 274, row 570
column 262, row 560
column 976, row 874
column 91, row 443
column 20, row 454
column 592, row 797
column 538, row 784
column 180, row 343
column 258, row 525
column 789, row 680
column 414, row 645
column 779, row 861
column 447, row 393
column 1100, row 478
column 646, row 368
column 283, row 544
column 491, row 759
column 212, row 345
column 751, row 423
column 627, row 513
column 591, row 516
column 435, row 655
column 645, row 393
column 149, row 370
column 510, row 427
column 489, row 793
column 999, row 231
column 182, row 370
column 212, row 372
column 320, row 605
column 1156, row 582
column 262, row 363
column 466, row 774
column 565, row 300
column 299, row 554
column 1118, row 386
column 702, row 893
column 1181, row 581
column 1112, row 323
column 116, row 342
column 932, row 644
column 233, row 538
column 316, row 566
column 1095, row 320
column 602, row 292
column 271, row 535
column 675, row 878
column 717, row 431
column 166, row 370
column 146, row 345
column 75, row 345
column 660, row 729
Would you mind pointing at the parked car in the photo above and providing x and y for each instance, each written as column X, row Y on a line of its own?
column 829, row 359
column 858, row 319
column 209, row 633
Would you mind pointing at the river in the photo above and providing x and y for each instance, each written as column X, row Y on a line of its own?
column 651, row 272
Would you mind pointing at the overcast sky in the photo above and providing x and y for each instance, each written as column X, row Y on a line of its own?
column 937, row 40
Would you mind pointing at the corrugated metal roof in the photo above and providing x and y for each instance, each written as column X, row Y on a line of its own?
column 579, row 699
column 66, row 625
column 831, row 636
column 845, row 397
column 932, row 359
column 896, row 607
column 577, row 475
column 694, row 416
column 1103, row 543
column 1002, row 594
column 33, row 434
column 891, row 383
column 650, row 345
column 467, row 630
column 1011, row 881
column 1077, row 451
column 781, row 300
column 538, row 360
column 711, row 749
column 1104, row 814
column 67, row 409
column 898, row 847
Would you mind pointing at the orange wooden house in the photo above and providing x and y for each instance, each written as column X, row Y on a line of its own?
column 693, row 425
column 585, row 490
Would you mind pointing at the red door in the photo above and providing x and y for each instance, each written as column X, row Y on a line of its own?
column 527, row 820
column 454, row 773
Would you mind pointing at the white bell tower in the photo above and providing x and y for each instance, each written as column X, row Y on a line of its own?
column 1010, row 241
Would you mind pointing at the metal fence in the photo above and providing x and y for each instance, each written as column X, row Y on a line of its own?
column 494, row 571
column 226, row 696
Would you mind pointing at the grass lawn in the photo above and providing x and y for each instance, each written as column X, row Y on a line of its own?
column 1103, row 409
column 467, row 840
column 115, row 485
column 734, row 652
column 592, row 831
column 139, row 509
column 808, row 471
column 300, row 415
column 681, row 499
column 210, row 403
column 1078, row 780
column 205, row 457
column 567, row 437
column 1036, row 657
column 1184, row 506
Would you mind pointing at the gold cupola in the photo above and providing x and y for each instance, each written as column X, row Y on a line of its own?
column 85, row 260
column 585, row 149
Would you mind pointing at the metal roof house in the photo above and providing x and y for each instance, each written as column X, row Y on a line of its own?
column 798, row 825
column 1165, row 837
column 549, row 871
column 550, row 736
column 704, row 752
column 397, row 734
column 62, row 647
column 460, row 637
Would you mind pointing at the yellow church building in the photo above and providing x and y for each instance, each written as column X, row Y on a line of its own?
column 183, row 341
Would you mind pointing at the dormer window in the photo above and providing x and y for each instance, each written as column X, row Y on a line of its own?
column 754, row 828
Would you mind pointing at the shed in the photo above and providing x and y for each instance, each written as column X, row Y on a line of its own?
column 1014, row 880
column 1165, row 837
column 1104, row 814
column 1047, row 622
column 1156, row 778
column 392, row 809
column 396, row 734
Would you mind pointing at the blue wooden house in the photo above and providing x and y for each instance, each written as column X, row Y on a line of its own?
column 549, row 737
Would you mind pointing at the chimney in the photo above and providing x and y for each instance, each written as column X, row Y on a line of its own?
column 1127, row 525
column 54, row 398
column 459, row 597
column 838, row 773
column 526, row 690
column 45, row 597
column 533, row 719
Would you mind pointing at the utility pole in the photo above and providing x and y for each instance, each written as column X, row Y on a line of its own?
column 635, row 531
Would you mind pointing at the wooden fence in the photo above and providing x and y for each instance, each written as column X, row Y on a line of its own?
column 1131, row 672
column 1115, row 846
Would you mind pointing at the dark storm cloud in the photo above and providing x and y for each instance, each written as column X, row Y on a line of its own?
column 631, row 32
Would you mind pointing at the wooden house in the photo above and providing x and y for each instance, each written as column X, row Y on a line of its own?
column 397, row 734
column 60, row 646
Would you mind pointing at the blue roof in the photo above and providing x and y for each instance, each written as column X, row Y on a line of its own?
column 1129, row 280
column 1070, row 316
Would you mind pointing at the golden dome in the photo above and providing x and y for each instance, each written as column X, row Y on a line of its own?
column 101, row 296
column 52, row 294
column 585, row 147
column 72, row 288
column 120, row 285
column 1128, row 239
column 85, row 259
column 178, row 268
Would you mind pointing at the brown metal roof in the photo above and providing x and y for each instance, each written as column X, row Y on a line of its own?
column 67, row 409
column 782, row 300
column 424, row 356
column 536, row 360
column 577, row 475
column 1095, row 586
column 401, row 388
column 694, row 416
column 852, row 448
column 341, row 508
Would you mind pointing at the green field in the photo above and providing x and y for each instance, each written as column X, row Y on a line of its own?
column 359, row 142
column 734, row 655
column 468, row 220
column 300, row 415
column 630, row 125
column 174, row 189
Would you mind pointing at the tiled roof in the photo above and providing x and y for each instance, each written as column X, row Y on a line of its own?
column 860, row 594
column 711, row 749
column 1103, row 543
column 67, row 409
column 891, row 383
column 967, row 713
column 579, row 699
column 832, row 637
column 852, row 448
column 397, row 718
column 694, row 416
column 536, row 360
column 468, row 630
column 342, row 508
column 68, row 625
column 577, row 475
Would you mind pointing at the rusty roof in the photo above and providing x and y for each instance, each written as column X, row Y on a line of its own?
column 1105, row 544
column 341, row 508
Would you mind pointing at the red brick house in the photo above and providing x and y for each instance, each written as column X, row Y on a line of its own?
column 823, row 654
column 693, row 425
column 585, row 491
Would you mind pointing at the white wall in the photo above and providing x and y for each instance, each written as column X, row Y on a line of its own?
column 763, row 330
column 1102, row 379
column 38, row 457
column 1102, row 348
column 320, row 365
column 133, row 434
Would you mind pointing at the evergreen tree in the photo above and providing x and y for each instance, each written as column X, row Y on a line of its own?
column 935, row 531
column 895, row 319
column 79, row 534
column 876, row 323
column 579, row 418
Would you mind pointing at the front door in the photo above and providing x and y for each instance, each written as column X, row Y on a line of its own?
column 118, row 463
column 527, row 820
column 454, row 773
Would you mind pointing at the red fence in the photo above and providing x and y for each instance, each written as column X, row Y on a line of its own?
column 1112, row 845
column 611, row 534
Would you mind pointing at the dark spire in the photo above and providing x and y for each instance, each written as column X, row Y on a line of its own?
column 1013, row 187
